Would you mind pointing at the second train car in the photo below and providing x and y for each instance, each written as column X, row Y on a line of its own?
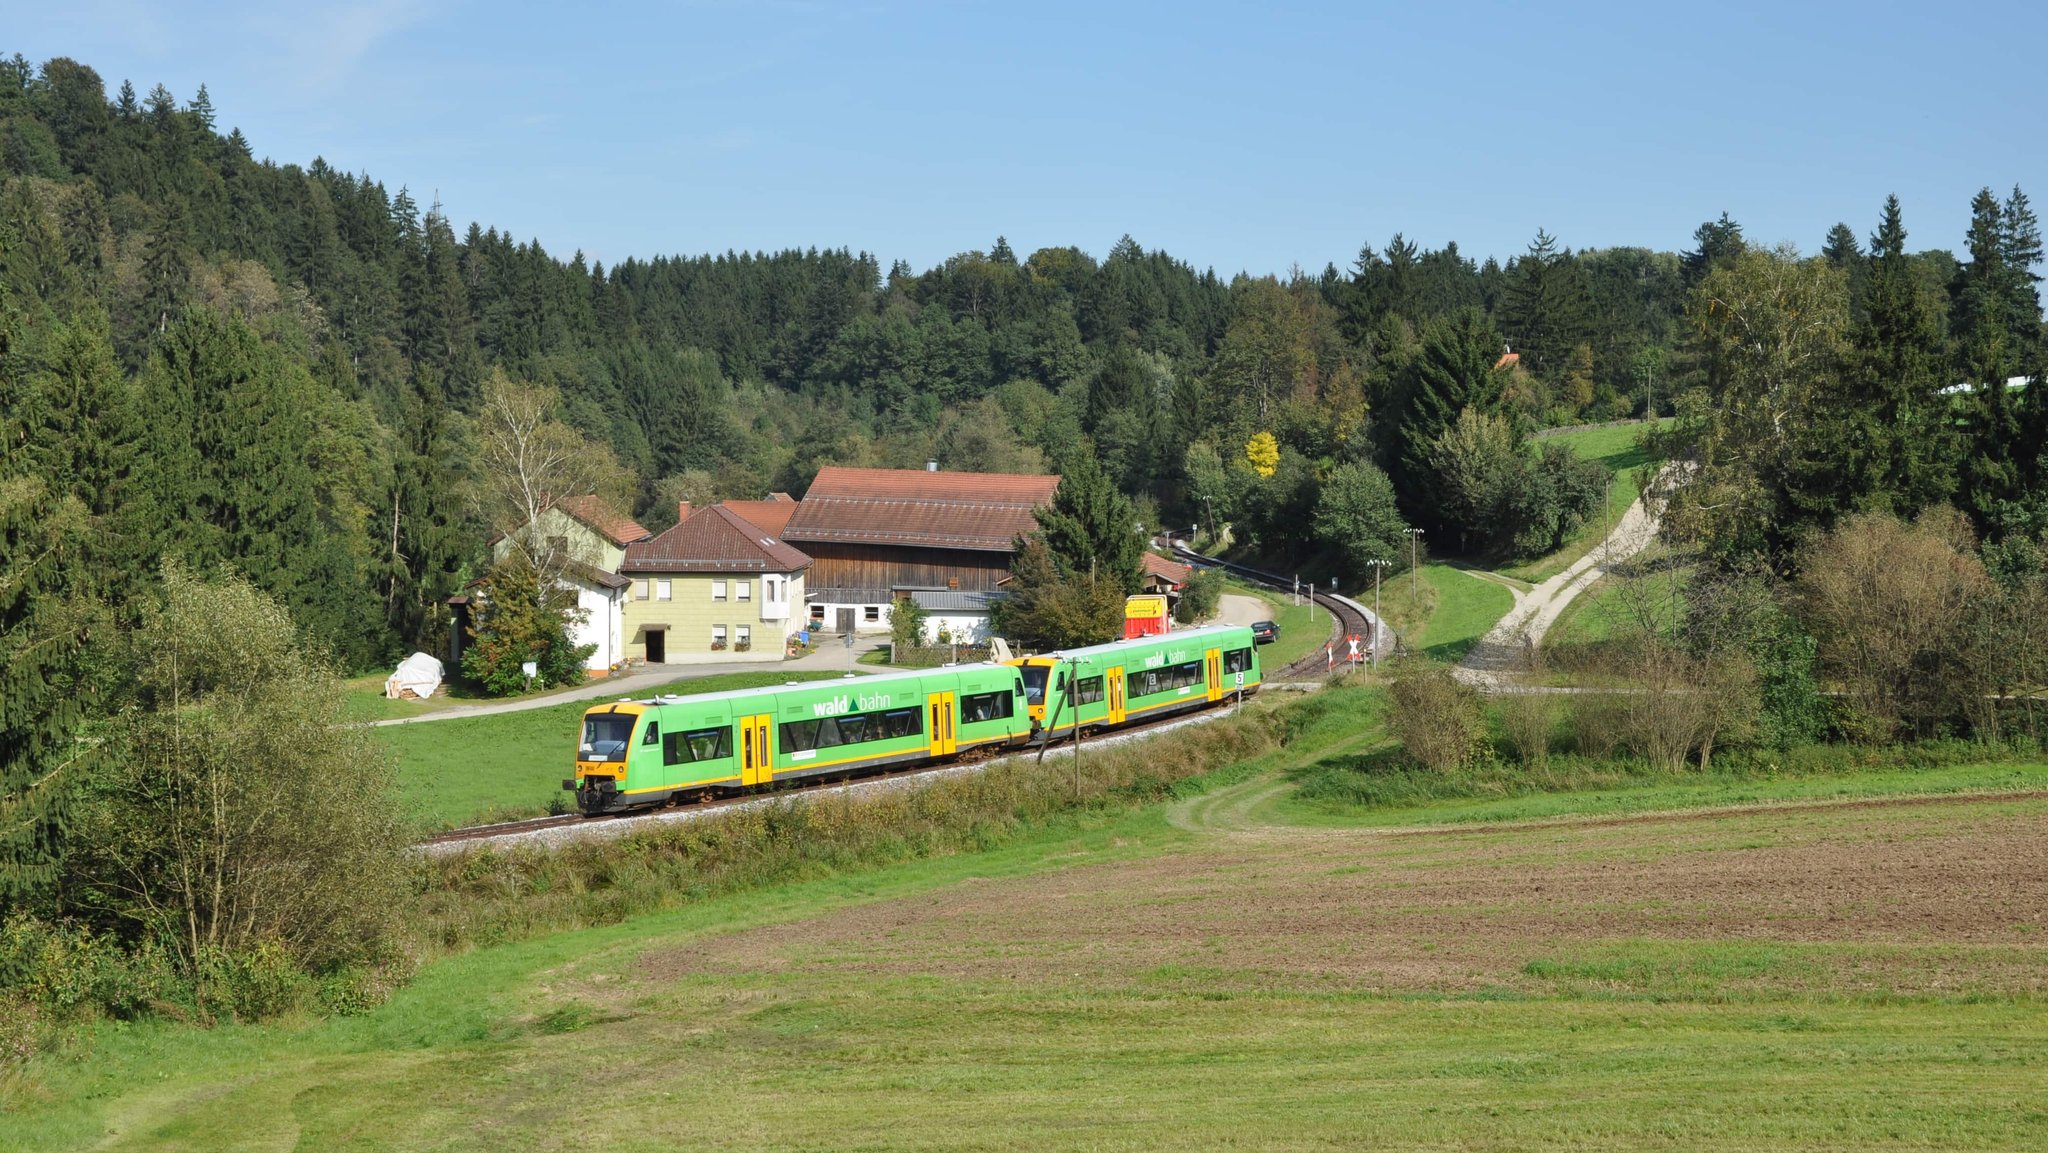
column 1137, row 680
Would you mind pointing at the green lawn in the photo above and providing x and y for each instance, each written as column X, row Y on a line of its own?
column 466, row 770
column 1302, row 629
column 1614, row 601
column 1137, row 981
column 1466, row 607
column 1617, row 449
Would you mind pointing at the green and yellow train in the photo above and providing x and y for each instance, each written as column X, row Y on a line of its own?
column 1138, row 680
column 648, row 752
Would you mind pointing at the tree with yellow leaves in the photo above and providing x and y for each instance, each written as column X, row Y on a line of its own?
column 1262, row 452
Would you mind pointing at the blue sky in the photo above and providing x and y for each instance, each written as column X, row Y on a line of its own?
column 1239, row 137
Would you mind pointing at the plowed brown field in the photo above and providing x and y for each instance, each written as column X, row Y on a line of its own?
column 1917, row 897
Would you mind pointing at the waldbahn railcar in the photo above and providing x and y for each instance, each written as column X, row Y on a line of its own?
column 1136, row 680
column 648, row 752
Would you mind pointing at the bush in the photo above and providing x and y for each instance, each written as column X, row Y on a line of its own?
column 1529, row 719
column 1436, row 716
column 1198, row 601
column 243, row 827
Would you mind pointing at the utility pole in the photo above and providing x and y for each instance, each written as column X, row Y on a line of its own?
column 1414, row 566
column 1073, row 685
column 1379, row 624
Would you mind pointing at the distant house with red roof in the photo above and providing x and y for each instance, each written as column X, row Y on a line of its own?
column 1164, row 576
column 717, row 586
column 943, row 539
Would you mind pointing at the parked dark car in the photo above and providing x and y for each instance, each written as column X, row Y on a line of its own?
column 1265, row 632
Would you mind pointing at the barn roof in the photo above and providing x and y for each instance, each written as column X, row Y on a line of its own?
column 714, row 539
column 979, row 511
column 771, row 516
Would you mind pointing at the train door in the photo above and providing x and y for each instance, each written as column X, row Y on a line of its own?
column 757, row 752
column 1116, row 696
column 1212, row 665
column 941, row 712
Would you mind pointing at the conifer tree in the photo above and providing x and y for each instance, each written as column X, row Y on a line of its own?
column 42, row 640
column 1090, row 528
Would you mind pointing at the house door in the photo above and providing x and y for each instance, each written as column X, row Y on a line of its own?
column 845, row 621
column 941, row 712
column 1116, row 696
column 657, row 646
column 757, row 752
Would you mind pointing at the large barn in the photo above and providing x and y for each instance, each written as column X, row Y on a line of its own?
column 876, row 535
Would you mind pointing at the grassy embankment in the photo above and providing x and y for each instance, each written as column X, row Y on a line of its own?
column 469, row 770
column 1277, row 992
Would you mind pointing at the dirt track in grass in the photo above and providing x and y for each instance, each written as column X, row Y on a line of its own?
column 1933, row 897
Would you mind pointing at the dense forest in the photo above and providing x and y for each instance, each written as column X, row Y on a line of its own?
column 232, row 360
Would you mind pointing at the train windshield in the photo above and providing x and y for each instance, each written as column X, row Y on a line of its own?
column 605, row 737
column 1034, row 683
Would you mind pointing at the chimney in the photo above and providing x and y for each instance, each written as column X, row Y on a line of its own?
column 931, row 466
column 682, row 511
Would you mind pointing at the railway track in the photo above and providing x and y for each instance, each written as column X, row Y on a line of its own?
column 1348, row 618
column 574, row 824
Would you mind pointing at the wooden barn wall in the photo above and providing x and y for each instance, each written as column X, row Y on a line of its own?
column 886, row 566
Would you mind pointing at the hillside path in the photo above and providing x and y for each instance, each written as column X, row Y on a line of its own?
column 1494, row 662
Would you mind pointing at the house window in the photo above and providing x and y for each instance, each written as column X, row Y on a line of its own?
column 664, row 590
column 640, row 589
column 768, row 589
column 872, row 614
column 717, row 638
column 718, row 590
column 818, row 614
column 744, row 590
column 742, row 639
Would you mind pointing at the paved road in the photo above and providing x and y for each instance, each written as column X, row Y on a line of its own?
column 828, row 656
column 1503, row 653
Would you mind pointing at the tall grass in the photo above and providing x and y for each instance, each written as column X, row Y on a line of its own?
column 490, row 894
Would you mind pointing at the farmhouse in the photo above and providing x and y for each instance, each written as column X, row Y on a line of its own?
column 943, row 539
column 595, row 536
column 715, row 587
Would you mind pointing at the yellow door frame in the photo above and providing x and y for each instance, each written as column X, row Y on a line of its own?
column 757, row 750
column 1212, row 663
column 1115, row 695
column 940, row 713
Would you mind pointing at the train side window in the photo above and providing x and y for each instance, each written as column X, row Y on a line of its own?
column 697, row 745
column 987, row 707
column 800, row 736
column 1088, row 691
column 653, row 736
column 1237, row 661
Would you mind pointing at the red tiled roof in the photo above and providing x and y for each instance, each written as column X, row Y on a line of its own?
column 615, row 526
column 770, row 516
column 714, row 539
column 1506, row 359
column 980, row 511
column 1159, row 566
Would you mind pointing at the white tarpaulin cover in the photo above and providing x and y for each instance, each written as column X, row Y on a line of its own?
column 418, row 676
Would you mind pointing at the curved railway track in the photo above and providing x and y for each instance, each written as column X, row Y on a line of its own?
column 1347, row 618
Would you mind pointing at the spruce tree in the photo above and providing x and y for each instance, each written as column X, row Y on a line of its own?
column 1091, row 529
column 1895, row 447
column 42, row 641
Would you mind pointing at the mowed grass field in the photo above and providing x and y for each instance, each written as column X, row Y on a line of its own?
column 469, row 770
column 1862, row 974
